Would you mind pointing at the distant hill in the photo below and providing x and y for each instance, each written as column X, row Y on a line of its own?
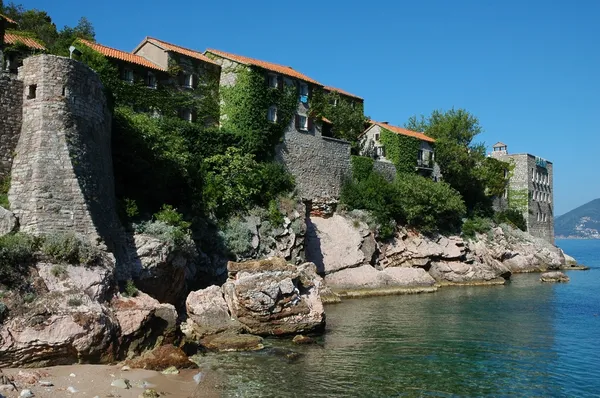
column 582, row 222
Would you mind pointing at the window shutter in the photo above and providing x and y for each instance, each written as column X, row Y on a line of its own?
column 297, row 122
column 309, row 123
column 280, row 82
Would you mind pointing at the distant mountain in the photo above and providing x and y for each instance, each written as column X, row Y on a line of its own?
column 582, row 222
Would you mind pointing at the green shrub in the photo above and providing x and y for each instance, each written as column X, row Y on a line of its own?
column 74, row 302
column 4, row 187
column 16, row 255
column 130, row 289
column 237, row 236
column 177, row 237
column 59, row 271
column 511, row 217
column 131, row 208
column 275, row 216
column 475, row 225
column 69, row 248
column 29, row 297
column 362, row 167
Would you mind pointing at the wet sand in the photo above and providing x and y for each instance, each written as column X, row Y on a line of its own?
column 95, row 381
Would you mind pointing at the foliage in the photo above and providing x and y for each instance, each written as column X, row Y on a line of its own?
column 130, row 290
column 245, row 106
column 362, row 166
column 16, row 254
column 518, row 199
column 427, row 205
column 275, row 215
column 4, row 188
column 237, row 236
column 512, row 217
column 131, row 208
column 401, row 150
column 347, row 115
column 70, row 249
column 29, row 297
column 74, row 302
column 59, row 271
column 475, row 225
column 178, row 238
column 463, row 163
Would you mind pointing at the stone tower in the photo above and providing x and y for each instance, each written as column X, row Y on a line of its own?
column 62, row 178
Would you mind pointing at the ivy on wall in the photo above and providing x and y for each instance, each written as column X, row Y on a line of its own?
column 401, row 150
column 245, row 107
column 347, row 116
column 518, row 199
column 168, row 99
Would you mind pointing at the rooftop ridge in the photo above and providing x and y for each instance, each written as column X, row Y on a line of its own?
column 121, row 55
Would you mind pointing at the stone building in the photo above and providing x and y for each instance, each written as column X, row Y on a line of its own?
column 371, row 145
column 319, row 164
column 16, row 47
column 529, row 190
column 5, row 23
column 132, row 68
column 62, row 176
column 192, row 71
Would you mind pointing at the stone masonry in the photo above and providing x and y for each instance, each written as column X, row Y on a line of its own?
column 531, row 182
column 11, row 109
column 62, row 177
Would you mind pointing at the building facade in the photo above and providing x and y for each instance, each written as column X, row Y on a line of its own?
column 530, row 190
column 372, row 146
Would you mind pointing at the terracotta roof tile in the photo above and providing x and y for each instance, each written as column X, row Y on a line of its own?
column 323, row 118
column 343, row 92
column 403, row 131
column 121, row 55
column 2, row 16
column 14, row 38
column 180, row 50
column 284, row 70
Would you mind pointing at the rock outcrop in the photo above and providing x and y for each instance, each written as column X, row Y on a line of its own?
column 554, row 277
column 8, row 221
column 265, row 297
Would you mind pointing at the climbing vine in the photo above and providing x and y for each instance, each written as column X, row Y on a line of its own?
column 518, row 199
column 347, row 115
column 246, row 104
column 402, row 150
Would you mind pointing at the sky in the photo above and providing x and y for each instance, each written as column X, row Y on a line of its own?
column 528, row 69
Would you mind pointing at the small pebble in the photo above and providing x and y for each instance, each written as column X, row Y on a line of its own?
column 71, row 389
column 45, row 383
column 26, row 394
column 171, row 370
column 72, row 375
column 198, row 377
column 125, row 368
column 121, row 383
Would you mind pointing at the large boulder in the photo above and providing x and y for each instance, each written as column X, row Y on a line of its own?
column 143, row 321
column 366, row 277
column 162, row 270
column 8, row 221
column 58, row 329
column 264, row 297
column 97, row 281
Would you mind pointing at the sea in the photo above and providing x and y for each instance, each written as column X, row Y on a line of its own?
column 523, row 339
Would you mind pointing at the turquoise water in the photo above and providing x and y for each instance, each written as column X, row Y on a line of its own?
column 523, row 339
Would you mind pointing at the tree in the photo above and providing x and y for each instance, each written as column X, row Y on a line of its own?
column 463, row 163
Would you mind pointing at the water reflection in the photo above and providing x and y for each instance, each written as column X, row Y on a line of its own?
column 495, row 341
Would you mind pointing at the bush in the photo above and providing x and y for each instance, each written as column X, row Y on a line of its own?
column 16, row 254
column 362, row 167
column 74, row 302
column 172, row 217
column 177, row 237
column 59, row 271
column 29, row 297
column 4, row 187
column 130, row 289
column 237, row 237
column 475, row 225
column 70, row 249
column 511, row 217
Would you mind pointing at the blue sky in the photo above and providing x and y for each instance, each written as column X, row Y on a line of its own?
column 528, row 69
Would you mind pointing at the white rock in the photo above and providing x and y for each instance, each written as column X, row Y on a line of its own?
column 71, row 389
column 26, row 394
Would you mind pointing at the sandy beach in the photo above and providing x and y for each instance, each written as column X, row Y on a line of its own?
column 95, row 381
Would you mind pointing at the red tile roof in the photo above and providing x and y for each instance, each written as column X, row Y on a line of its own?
column 14, row 38
column 2, row 16
column 323, row 118
column 121, row 55
column 402, row 131
column 343, row 92
column 284, row 70
column 178, row 49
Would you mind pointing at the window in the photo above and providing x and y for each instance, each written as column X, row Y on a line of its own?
column 128, row 75
column 188, row 80
column 151, row 80
column 288, row 82
column 272, row 114
column 376, row 136
column 302, row 122
column 380, row 151
column 333, row 102
column 273, row 81
column 31, row 92
column 187, row 114
column 303, row 89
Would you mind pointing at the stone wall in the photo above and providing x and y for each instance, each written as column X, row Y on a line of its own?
column 386, row 169
column 319, row 164
column 11, row 109
column 62, row 177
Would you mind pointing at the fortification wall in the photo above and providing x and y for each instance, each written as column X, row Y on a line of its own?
column 319, row 165
column 62, row 177
column 11, row 111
